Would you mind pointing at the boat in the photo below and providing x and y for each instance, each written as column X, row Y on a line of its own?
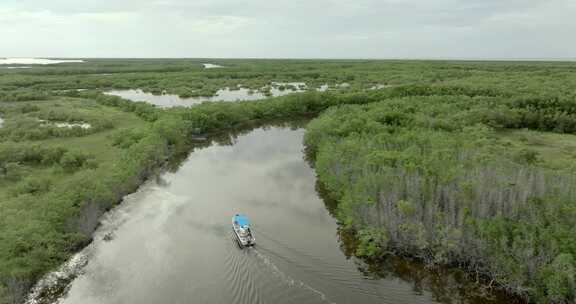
column 242, row 230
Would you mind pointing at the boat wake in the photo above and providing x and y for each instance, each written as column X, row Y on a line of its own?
column 51, row 286
column 331, row 273
column 266, row 261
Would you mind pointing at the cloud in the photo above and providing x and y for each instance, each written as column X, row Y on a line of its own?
column 48, row 18
column 218, row 25
column 296, row 28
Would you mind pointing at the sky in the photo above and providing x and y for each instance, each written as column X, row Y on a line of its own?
column 289, row 29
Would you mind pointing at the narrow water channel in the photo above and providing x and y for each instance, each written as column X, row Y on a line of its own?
column 171, row 241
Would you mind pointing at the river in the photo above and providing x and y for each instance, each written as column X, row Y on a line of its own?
column 171, row 241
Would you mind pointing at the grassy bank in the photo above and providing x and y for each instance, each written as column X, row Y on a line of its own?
column 55, row 181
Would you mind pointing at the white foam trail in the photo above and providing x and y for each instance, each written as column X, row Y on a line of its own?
column 287, row 279
column 66, row 272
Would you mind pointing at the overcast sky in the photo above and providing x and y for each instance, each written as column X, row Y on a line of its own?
column 289, row 29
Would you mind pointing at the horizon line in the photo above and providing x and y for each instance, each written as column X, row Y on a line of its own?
column 318, row 58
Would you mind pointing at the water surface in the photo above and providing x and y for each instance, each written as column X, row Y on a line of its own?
column 40, row 61
column 211, row 66
column 170, row 100
column 171, row 241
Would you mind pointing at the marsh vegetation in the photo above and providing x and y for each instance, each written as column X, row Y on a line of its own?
column 465, row 164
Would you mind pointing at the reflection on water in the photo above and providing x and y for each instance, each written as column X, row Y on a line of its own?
column 211, row 66
column 81, row 125
column 171, row 241
column 380, row 86
column 290, row 85
column 226, row 94
column 68, row 125
column 446, row 285
column 40, row 61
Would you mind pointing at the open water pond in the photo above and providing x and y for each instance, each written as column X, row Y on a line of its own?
column 169, row 100
column 211, row 66
column 40, row 61
column 171, row 241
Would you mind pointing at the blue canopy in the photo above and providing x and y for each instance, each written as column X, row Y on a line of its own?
column 241, row 220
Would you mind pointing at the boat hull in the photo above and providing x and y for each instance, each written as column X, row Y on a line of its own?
column 245, row 240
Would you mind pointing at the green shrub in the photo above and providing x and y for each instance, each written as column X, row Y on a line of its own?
column 12, row 171
column 371, row 242
column 558, row 280
column 125, row 138
column 30, row 154
column 74, row 160
column 33, row 185
column 527, row 156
